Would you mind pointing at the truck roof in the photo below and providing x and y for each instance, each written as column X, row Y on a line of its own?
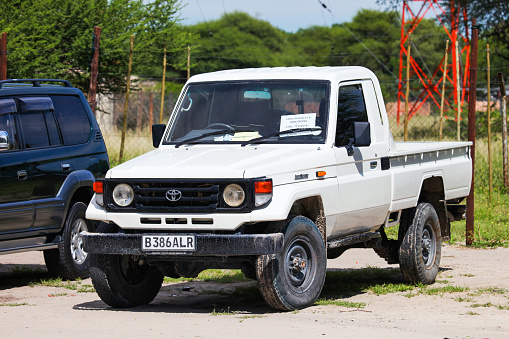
column 332, row 73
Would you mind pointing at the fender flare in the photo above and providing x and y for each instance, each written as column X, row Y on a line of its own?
column 73, row 182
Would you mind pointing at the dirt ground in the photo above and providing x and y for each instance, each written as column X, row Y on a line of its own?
column 194, row 310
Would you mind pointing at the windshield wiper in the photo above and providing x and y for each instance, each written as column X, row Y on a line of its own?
column 276, row 134
column 214, row 132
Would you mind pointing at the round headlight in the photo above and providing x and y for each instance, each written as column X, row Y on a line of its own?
column 234, row 195
column 123, row 195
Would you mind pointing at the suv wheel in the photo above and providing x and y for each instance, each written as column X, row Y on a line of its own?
column 70, row 261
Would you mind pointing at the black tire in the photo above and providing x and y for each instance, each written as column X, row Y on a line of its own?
column 421, row 246
column 120, row 280
column 294, row 278
column 70, row 261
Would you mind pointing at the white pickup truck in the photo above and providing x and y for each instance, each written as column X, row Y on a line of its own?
column 273, row 171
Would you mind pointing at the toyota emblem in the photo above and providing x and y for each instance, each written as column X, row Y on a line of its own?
column 173, row 195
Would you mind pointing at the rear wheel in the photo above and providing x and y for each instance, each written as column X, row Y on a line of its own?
column 70, row 261
column 123, row 280
column 421, row 246
column 294, row 278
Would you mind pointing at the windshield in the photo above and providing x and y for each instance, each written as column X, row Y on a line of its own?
column 240, row 112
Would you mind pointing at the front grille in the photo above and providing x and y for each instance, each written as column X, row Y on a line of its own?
column 192, row 197
column 177, row 196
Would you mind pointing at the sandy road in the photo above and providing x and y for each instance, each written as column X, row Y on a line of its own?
column 51, row 312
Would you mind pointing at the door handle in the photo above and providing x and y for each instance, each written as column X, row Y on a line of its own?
column 22, row 175
column 373, row 164
column 66, row 167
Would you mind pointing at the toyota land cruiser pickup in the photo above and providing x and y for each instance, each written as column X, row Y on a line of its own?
column 273, row 171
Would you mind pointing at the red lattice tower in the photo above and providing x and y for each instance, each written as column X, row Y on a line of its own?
column 431, row 85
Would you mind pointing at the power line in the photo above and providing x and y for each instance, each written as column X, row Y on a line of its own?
column 359, row 40
column 199, row 8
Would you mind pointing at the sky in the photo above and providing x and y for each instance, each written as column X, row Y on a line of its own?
column 288, row 15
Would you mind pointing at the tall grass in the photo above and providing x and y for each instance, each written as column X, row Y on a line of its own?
column 135, row 145
column 491, row 221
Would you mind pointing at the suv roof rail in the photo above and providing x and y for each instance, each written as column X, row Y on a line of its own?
column 35, row 82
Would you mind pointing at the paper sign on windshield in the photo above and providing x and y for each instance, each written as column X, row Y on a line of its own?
column 245, row 136
column 288, row 122
column 307, row 120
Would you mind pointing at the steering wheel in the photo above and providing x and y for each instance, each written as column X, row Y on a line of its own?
column 220, row 124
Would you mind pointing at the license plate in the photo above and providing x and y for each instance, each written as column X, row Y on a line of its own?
column 168, row 242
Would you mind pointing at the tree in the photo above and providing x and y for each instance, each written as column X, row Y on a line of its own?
column 237, row 40
column 493, row 15
column 53, row 38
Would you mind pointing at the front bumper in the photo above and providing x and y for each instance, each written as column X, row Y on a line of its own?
column 206, row 244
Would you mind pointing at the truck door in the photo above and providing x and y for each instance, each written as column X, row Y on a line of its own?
column 364, row 187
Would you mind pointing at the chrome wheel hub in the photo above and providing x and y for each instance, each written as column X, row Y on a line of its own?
column 78, row 254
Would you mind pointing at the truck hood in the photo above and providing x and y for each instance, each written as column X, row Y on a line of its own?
column 229, row 161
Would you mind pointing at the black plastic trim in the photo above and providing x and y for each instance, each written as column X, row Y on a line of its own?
column 35, row 82
column 206, row 244
column 386, row 163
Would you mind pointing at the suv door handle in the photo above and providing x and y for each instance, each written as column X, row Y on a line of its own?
column 22, row 175
column 373, row 164
column 66, row 167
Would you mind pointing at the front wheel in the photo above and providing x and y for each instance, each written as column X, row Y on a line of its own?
column 70, row 261
column 123, row 280
column 294, row 278
column 421, row 246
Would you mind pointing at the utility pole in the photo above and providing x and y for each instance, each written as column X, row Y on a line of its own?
column 162, row 91
column 471, row 131
column 443, row 91
column 3, row 56
column 458, row 90
column 490, row 171
column 94, row 69
column 407, row 85
column 126, row 103
column 503, row 111
column 151, row 109
column 140, row 113
column 188, row 62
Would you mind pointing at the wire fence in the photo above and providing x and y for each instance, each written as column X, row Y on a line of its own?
column 145, row 107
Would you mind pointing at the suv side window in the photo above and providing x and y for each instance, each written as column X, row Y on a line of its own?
column 72, row 119
column 34, row 130
column 38, row 123
column 351, row 107
column 8, row 135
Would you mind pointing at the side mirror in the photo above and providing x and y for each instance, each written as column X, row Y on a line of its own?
column 4, row 140
column 157, row 134
column 361, row 133
column 361, row 136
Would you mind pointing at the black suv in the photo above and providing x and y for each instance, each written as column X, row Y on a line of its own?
column 51, row 151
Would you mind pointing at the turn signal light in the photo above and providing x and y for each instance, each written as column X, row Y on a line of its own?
column 263, row 187
column 98, row 187
column 320, row 174
column 263, row 192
